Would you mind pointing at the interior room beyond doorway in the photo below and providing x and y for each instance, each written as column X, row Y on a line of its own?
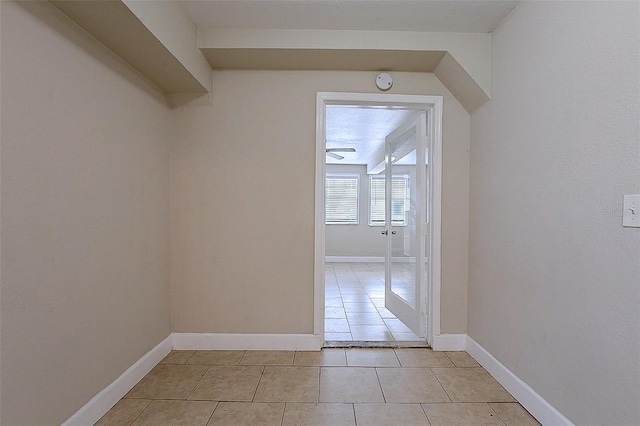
column 354, row 305
column 373, row 150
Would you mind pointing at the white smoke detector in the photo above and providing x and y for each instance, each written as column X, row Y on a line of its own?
column 384, row 81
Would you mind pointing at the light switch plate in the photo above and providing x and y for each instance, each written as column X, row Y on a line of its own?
column 631, row 211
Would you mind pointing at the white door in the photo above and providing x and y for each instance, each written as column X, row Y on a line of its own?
column 405, row 222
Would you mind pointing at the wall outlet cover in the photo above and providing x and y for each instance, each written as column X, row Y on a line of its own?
column 631, row 211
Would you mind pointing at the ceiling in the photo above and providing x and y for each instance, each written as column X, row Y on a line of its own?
column 363, row 128
column 479, row 16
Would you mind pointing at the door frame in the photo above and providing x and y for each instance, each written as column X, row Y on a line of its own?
column 433, row 106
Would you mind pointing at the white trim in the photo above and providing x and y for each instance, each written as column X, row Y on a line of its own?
column 319, row 249
column 434, row 230
column 232, row 341
column 449, row 342
column 539, row 408
column 433, row 105
column 91, row 412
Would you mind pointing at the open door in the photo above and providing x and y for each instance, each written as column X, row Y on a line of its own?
column 405, row 222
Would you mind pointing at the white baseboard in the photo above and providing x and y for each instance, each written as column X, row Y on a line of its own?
column 107, row 398
column 449, row 342
column 229, row 341
column 544, row 412
column 354, row 259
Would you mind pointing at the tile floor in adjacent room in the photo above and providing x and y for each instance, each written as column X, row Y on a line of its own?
column 331, row 387
column 354, row 305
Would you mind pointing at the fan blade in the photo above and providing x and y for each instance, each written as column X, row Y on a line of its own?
column 336, row 156
column 341, row 150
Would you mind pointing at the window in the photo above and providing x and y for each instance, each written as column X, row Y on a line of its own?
column 341, row 199
column 399, row 201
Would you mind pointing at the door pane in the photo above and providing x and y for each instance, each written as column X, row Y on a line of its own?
column 404, row 228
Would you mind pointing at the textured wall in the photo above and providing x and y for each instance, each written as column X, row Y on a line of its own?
column 85, row 216
column 240, row 264
column 554, row 289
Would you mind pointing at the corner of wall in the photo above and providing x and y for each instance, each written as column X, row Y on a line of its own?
column 459, row 82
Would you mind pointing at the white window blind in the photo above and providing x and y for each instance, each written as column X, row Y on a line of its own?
column 399, row 200
column 341, row 199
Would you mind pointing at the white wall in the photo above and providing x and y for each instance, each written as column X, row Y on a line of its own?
column 554, row 279
column 240, row 262
column 84, row 218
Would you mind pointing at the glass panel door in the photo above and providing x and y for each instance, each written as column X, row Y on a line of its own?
column 405, row 223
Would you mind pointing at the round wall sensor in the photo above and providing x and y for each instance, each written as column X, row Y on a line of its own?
column 384, row 81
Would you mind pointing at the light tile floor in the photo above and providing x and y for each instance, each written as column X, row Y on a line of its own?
column 331, row 387
column 354, row 305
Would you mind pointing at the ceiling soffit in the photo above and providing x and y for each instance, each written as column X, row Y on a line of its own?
column 460, row 60
column 323, row 59
column 152, row 40
column 156, row 38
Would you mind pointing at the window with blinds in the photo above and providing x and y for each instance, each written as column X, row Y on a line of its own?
column 341, row 199
column 399, row 200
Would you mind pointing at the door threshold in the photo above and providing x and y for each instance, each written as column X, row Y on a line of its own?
column 374, row 344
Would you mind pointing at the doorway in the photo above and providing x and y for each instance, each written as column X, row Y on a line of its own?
column 390, row 291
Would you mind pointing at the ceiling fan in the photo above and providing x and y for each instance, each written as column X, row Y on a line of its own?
column 331, row 152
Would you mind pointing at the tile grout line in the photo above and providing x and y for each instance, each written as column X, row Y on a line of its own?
column 355, row 418
column 398, row 358
column 319, row 374
column 214, row 410
column 257, row 385
column 497, row 414
column 380, row 384
column 441, row 385
column 242, row 357
column 192, row 355
column 320, row 381
column 425, row 412
column 452, row 362
column 200, row 380
column 283, row 411
column 138, row 416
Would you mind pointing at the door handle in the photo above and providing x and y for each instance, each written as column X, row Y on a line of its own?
column 393, row 232
column 384, row 232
